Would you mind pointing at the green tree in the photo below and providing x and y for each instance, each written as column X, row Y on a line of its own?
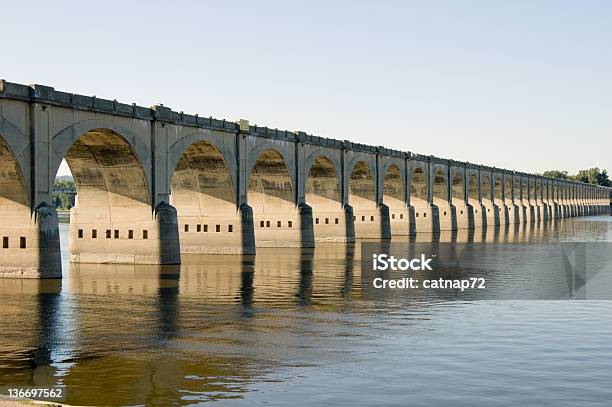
column 592, row 176
column 556, row 174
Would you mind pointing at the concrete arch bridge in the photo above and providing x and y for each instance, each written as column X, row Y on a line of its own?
column 154, row 183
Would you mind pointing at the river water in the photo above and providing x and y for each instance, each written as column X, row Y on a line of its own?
column 291, row 327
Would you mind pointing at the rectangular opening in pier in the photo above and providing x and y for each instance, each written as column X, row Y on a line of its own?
column 5, row 242
column 22, row 242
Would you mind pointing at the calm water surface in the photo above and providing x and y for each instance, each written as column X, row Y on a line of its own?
column 292, row 327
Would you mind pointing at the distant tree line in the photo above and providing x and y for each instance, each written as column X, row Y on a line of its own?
column 591, row 176
column 63, row 194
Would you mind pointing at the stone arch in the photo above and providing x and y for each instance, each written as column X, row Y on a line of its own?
column 270, row 184
column 320, row 153
column 323, row 193
column 362, row 186
column 440, row 188
column 508, row 188
column 202, row 182
column 393, row 188
column 18, row 144
column 112, row 220
column 473, row 190
column 497, row 188
column 204, row 195
column 323, row 189
column 13, row 195
column 63, row 141
column 102, row 160
column 517, row 189
column 419, row 188
column 280, row 149
column 177, row 149
column 458, row 187
column 486, row 188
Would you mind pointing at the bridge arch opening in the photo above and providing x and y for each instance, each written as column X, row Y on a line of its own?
column 322, row 185
column 473, row 191
column 458, row 189
column 362, row 197
column 418, row 189
column 393, row 188
column 394, row 196
column 204, row 195
column 516, row 193
column 508, row 190
column 362, row 187
column 497, row 190
column 112, row 219
column 12, row 188
column 271, row 196
column 324, row 196
column 440, row 189
column 486, row 190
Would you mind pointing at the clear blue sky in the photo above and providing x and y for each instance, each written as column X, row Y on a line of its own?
column 524, row 85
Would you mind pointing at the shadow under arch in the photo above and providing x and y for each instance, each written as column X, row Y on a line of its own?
column 204, row 195
column 278, row 221
column 443, row 210
column 113, row 220
column 369, row 221
column 488, row 197
column 394, row 196
column 324, row 196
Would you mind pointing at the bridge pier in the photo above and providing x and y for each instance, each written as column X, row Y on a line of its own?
column 513, row 213
column 491, row 214
column 545, row 212
column 30, row 243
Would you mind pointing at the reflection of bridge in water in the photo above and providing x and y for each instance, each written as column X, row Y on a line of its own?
column 154, row 184
column 199, row 325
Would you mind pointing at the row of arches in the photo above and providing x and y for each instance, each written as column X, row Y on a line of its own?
column 114, row 194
